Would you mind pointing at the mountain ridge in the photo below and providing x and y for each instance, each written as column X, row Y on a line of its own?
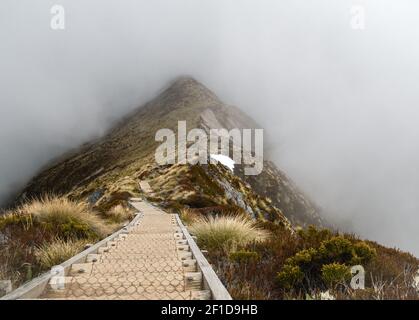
column 108, row 168
column 287, row 262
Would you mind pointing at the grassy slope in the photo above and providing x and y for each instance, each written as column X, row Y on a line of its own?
column 109, row 170
column 114, row 163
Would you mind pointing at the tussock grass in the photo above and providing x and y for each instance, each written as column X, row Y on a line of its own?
column 226, row 232
column 63, row 217
column 58, row 251
column 46, row 232
column 187, row 216
column 7, row 272
column 119, row 214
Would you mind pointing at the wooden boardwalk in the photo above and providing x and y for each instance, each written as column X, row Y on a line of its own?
column 152, row 260
column 145, row 187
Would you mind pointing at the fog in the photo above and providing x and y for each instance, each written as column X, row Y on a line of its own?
column 340, row 105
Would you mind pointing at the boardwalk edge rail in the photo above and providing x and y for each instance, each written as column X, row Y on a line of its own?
column 210, row 278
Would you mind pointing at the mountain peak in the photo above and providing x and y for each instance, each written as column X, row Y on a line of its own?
column 109, row 169
column 184, row 81
column 188, row 87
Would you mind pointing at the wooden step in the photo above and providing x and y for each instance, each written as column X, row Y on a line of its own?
column 193, row 280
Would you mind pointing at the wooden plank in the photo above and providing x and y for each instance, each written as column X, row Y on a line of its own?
column 145, row 186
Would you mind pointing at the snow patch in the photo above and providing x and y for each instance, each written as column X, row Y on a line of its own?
column 225, row 160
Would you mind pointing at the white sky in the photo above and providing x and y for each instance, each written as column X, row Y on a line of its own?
column 341, row 106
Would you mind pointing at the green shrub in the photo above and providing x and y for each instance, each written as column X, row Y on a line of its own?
column 363, row 253
column 303, row 257
column 244, row 256
column 290, row 276
column 335, row 273
column 328, row 263
column 336, row 249
column 285, row 272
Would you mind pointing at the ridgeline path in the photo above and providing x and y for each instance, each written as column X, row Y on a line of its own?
column 153, row 258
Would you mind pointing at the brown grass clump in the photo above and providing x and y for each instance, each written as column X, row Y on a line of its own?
column 58, row 251
column 119, row 214
column 187, row 216
column 44, row 232
column 64, row 218
column 226, row 232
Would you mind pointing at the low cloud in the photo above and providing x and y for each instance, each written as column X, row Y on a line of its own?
column 340, row 105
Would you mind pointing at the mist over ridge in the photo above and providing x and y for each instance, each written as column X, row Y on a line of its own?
column 339, row 105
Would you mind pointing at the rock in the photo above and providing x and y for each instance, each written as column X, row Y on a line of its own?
column 95, row 196
column 87, row 246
